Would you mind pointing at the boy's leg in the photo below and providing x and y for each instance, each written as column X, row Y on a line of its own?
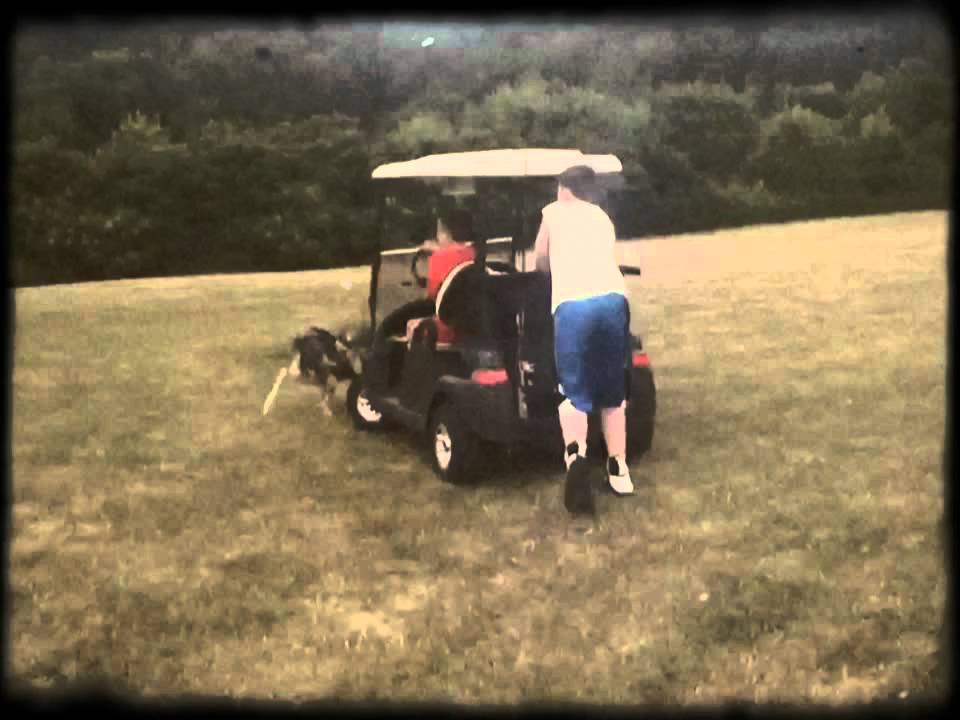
column 615, row 433
column 569, row 337
column 577, row 493
column 614, row 422
column 612, row 347
column 573, row 425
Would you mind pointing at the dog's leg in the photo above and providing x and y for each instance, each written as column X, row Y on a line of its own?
column 294, row 368
column 329, row 387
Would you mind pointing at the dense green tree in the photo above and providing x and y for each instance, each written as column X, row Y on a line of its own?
column 713, row 126
column 202, row 147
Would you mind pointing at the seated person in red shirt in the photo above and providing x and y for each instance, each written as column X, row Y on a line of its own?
column 450, row 250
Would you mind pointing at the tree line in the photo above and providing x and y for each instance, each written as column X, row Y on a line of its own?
column 178, row 149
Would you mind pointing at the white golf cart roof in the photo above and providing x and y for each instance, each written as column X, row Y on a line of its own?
column 524, row 162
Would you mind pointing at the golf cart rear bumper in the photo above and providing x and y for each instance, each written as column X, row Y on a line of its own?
column 488, row 410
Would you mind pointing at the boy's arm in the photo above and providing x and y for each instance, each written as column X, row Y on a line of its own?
column 541, row 251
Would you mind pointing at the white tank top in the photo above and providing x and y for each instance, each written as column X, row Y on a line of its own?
column 582, row 259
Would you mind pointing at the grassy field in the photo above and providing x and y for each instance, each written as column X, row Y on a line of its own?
column 785, row 542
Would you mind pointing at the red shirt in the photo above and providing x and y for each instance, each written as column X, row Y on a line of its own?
column 441, row 262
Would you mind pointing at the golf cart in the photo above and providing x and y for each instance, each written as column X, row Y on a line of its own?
column 495, row 385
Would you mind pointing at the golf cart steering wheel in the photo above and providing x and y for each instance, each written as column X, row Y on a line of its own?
column 420, row 253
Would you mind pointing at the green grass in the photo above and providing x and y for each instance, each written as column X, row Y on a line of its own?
column 784, row 543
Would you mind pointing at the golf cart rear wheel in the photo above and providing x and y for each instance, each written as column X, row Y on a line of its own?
column 639, row 435
column 641, row 414
column 358, row 405
column 454, row 448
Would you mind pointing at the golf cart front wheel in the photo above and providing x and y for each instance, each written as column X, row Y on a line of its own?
column 364, row 416
column 453, row 447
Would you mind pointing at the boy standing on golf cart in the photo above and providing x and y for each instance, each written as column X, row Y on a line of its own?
column 575, row 245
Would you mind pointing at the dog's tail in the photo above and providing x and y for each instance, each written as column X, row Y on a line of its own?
column 272, row 396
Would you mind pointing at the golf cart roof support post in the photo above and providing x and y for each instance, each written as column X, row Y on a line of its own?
column 519, row 243
column 524, row 226
column 375, row 268
column 480, row 243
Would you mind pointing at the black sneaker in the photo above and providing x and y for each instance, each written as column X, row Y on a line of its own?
column 577, row 493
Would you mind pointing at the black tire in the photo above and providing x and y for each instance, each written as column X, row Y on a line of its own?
column 458, row 465
column 641, row 415
column 363, row 416
column 639, row 436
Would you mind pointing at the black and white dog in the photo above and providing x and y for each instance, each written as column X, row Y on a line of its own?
column 323, row 359
column 326, row 360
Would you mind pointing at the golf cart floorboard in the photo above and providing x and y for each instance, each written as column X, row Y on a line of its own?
column 534, row 432
column 390, row 405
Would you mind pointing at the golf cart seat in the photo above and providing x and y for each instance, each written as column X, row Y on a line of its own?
column 455, row 305
column 465, row 302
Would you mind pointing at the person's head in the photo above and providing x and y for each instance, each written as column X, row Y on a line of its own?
column 577, row 183
column 454, row 226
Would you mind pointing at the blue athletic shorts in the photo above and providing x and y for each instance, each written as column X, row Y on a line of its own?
column 590, row 342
